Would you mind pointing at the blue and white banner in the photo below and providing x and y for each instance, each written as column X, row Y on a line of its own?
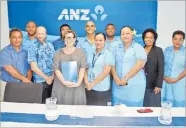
column 52, row 14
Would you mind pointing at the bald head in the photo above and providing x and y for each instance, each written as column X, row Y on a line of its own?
column 90, row 27
column 41, row 29
column 41, row 34
column 31, row 28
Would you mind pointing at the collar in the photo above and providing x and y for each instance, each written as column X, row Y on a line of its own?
column 38, row 43
column 88, row 41
column 108, row 41
column 102, row 51
column 122, row 44
column 27, row 38
column 10, row 47
column 181, row 48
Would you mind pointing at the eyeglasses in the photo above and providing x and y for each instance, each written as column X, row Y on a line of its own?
column 69, row 38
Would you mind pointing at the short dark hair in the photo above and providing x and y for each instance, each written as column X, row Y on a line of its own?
column 110, row 24
column 15, row 30
column 101, row 34
column 153, row 32
column 178, row 32
column 127, row 27
column 64, row 25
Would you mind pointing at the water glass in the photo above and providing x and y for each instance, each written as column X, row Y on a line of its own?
column 119, row 109
column 51, row 109
column 165, row 113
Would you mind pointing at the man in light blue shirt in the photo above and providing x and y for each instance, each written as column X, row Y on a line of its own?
column 14, row 65
column 40, row 57
column 88, row 44
column 111, row 41
column 29, row 39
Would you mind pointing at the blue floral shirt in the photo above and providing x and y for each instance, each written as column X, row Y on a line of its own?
column 43, row 55
column 169, row 55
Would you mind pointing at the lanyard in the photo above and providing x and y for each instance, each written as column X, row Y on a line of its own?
column 94, row 60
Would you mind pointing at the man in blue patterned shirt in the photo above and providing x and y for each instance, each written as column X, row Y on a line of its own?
column 40, row 57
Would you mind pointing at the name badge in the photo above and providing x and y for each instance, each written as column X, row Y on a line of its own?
column 92, row 77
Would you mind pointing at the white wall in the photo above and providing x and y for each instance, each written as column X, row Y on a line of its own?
column 171, row 17
column 4, row 25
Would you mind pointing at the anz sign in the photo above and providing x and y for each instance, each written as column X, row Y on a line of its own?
column 82, row 14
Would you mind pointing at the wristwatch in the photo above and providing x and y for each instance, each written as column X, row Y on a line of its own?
column 126, row 80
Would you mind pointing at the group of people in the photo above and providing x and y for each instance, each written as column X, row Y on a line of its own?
column 110, row 70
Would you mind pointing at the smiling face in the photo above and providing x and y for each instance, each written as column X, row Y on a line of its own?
column 31, row 28
column 110, row 30
column 69, row 39
column 41, row 34
column 64, row 29
column 177, row 41
column 99, row 41
column 90, row 27
column 149, row 39
column 16, row 39
column 126, row 35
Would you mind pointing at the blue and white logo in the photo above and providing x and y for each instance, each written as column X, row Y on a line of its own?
column 52, row 14
column 82, row 14
column 99, row 10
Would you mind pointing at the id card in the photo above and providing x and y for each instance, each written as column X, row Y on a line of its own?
column 92, row 77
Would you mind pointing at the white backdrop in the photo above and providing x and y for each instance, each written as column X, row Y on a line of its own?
column 171, row 17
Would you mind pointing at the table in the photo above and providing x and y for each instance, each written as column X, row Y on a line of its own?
column 33, row 115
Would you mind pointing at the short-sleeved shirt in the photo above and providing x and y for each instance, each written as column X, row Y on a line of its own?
column 43, row 56
column 27, row 42
column 111, row 45
column 125, row 60
column 9, row 56
column 86, row 46
column 68, row 95
column 96, row 63
column 78, row 55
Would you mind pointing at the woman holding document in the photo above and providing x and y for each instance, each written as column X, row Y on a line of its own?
column 69, row 67
column 97, row 76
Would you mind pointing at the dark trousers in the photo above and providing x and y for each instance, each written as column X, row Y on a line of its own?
column 47, row 90
column 100, row 98
column 151, row 99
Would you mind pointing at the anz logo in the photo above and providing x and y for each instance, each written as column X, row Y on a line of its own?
column 82, row 14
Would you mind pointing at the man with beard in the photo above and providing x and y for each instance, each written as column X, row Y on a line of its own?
column 30, row 38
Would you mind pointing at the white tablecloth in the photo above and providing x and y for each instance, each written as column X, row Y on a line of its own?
column 81, row 110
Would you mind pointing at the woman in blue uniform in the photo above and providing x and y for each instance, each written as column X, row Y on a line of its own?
column 175, row 72
column 97, row 76
column 129, row 81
